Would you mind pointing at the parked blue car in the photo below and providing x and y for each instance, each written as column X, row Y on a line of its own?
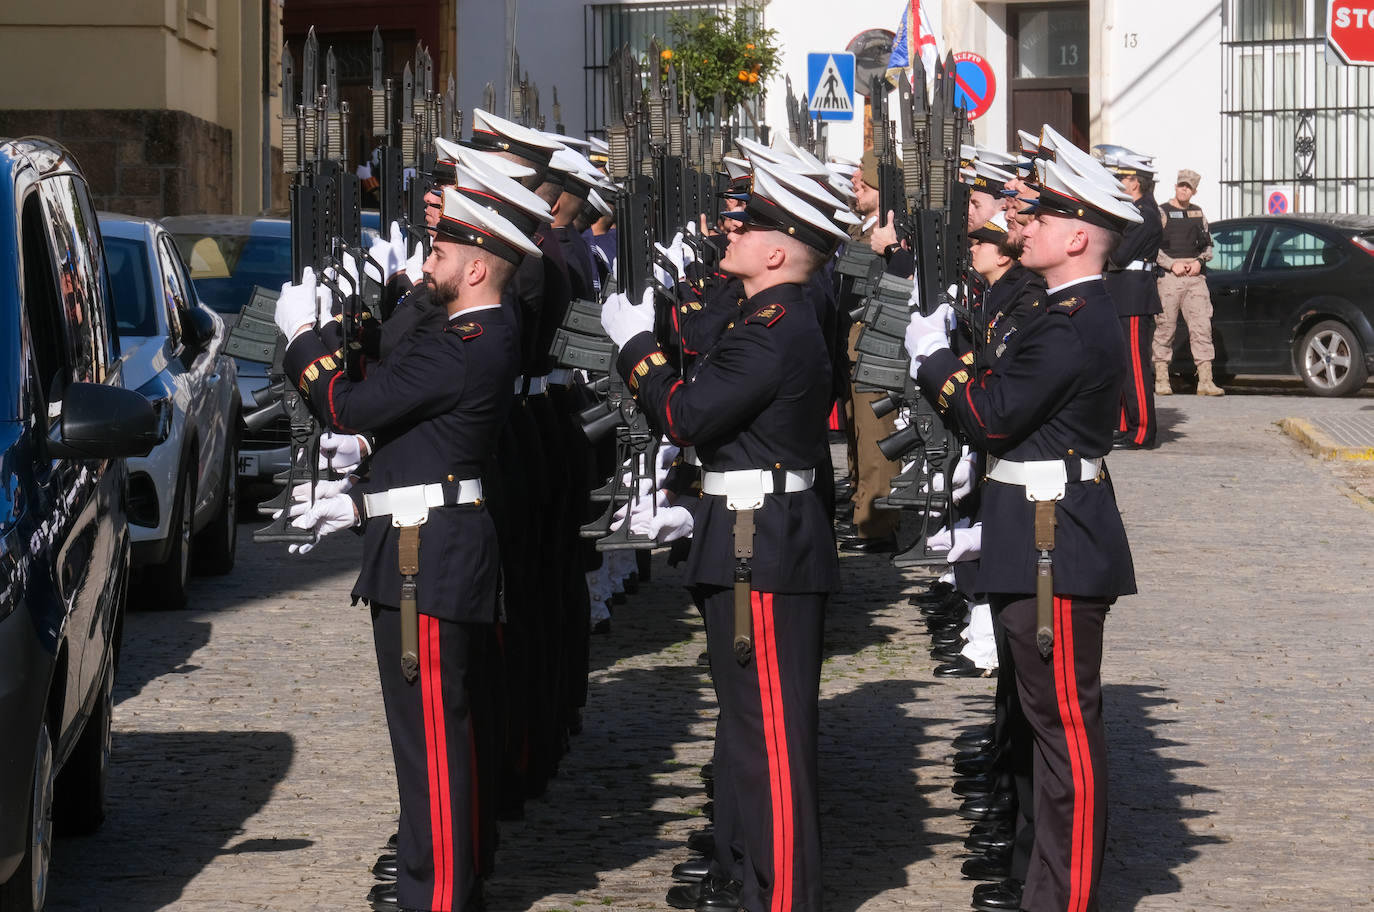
column 66, row 424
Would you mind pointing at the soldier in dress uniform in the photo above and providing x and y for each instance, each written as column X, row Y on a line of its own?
column 1131, row 284
column 434, row 408
column 763, row 558
column 1045, row 412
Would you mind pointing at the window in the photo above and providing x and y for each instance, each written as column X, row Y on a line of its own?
column 1230, row 247
column 1051, row 43
column 1293, row 248
column 76, row 247
column 42, row 308
column 133, row 293
column 174, row 291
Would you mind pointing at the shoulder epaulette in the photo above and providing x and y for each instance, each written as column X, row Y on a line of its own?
column 1068, row 306
column 767, row 315
column 467, row 331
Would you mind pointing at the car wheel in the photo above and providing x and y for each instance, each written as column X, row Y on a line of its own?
column 216, row 544
column 166, row 585
column 80, row 805
column 1331, row 360
column 27, row 889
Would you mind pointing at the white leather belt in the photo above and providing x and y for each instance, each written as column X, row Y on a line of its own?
column 538, row 386
column 561, row 376
column 1138, row 265
column 409, row 506
column 689, row 456
column 1043, row 479
column 744, row 489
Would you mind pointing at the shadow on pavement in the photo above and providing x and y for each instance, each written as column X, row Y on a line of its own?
column 177, row 800
column 874, row 811
column 1168, row 424
column 622, row 768
column 1148, row 836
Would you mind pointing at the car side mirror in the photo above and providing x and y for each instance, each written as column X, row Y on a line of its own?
column 107, row 422
column 197, row 329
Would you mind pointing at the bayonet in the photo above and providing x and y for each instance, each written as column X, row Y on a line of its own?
column 408, row 117
column 290, row 122
column 452, row 130
column 557, row 113
column 381, row 90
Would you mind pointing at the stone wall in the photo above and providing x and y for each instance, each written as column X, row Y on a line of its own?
column 147, row 163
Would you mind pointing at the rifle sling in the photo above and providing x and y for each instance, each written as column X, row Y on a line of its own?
column 408, row 559
column 744, row 553
column 1044, row 577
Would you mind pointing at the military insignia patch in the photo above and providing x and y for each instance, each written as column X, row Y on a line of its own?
column 466, row 331
column 1070, row 305
column 767, row 315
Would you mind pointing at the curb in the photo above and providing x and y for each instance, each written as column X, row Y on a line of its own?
column 1322, row 446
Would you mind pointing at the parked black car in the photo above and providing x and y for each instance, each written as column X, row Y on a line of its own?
column 1294, row 295
column 66, row 424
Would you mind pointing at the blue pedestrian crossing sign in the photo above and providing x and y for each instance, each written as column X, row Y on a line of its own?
column 830, row 85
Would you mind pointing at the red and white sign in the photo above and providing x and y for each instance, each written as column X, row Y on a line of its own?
column 1350, row 30
column 974, row 83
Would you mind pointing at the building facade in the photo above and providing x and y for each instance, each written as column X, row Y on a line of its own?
column 167, row 105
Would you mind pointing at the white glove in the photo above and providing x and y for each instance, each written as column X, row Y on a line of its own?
column 333, row 510
column 968, row 544
column 690, row 228
column 636, row 511
column 299, row 306
column 940, row 541
column 669, row 524
column 963, row 476
column 679, row 254
column 927, row 335
column 342, row 452
column 667, row 453
column 415, row 266
column 623, row 320
column 389, row 252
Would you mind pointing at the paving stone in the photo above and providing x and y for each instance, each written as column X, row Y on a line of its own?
column 251, row 769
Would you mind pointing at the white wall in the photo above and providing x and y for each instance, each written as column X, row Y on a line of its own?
column 1160, row 96
column 812, row 26
column 1163, row 96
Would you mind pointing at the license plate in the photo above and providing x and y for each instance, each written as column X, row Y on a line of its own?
column 248, row 463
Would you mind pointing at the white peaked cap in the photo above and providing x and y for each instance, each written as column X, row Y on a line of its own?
column 993, row 157
column 736, row 167
column 598, row 146
column 1123, row 161
column 465, row 222
column 1067, row 192
column 462, row 155
column 509, row 136
column 599, row 204
column 570, row 161
column 1070, row 157
column 791, row 195
column 563, row 139
column 501, row 193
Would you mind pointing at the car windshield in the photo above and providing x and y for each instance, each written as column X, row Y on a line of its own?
column 135, row 304
column 226, row 267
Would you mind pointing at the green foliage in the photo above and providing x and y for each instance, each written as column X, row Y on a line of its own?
column 720, row 52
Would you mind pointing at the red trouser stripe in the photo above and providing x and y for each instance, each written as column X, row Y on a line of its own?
column 775, row 744
column 1080, row 763
column 436, row 759
column 1138, row 376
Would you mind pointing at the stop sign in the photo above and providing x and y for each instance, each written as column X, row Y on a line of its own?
column 1350, row 30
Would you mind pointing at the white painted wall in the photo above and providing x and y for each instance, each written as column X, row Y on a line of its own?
column 1160, row 96
column 1163, row 96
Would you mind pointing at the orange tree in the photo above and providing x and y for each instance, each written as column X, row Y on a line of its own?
column 720, row 52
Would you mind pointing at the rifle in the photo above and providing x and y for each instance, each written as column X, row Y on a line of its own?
column 934, row 206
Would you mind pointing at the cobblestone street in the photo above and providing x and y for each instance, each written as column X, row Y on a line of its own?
column 251, row 768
